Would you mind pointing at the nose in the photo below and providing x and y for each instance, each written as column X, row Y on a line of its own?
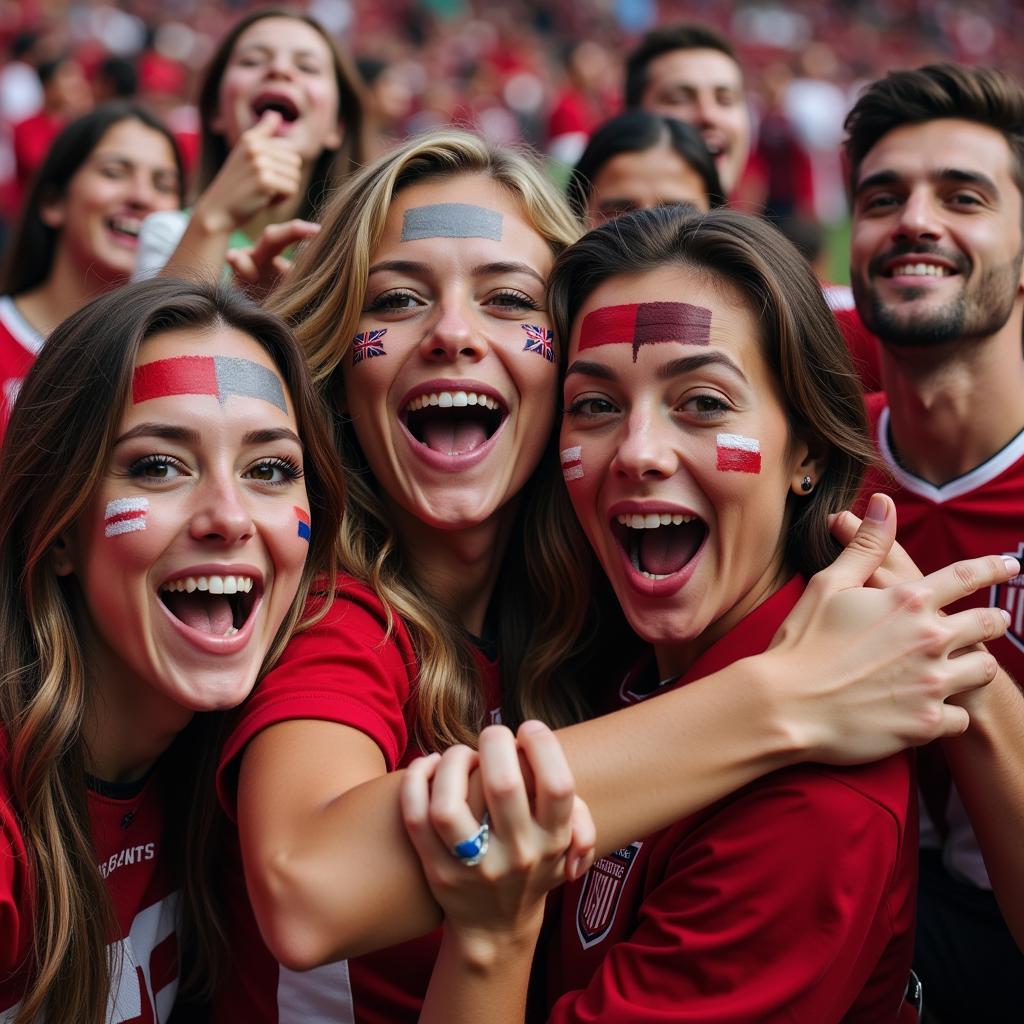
column 648, row 448
column 221, row 515
column 705, row 110
column 280, row 65
column 453, row 335
column 918, row 218
column 142, row 193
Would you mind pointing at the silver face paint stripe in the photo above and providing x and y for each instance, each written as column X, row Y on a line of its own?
column 244, row 377
column 451, row 220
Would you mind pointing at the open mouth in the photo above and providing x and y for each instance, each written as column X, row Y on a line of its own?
column 124, row 227
column 659, row 544
column 453, row 422
column 214, row 605
column 282, row 104
column 913, row 269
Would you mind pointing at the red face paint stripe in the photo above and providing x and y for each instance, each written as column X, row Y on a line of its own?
column 185, row 375
column 646, row 323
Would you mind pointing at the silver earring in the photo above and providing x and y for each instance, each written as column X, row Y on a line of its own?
column 806, row 484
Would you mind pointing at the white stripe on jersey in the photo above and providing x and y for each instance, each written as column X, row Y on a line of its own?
column 320, row 996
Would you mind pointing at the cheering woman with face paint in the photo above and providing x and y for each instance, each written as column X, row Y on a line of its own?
column 281, row 114
column 159, row 478
column 708, row 454
column 421, row 306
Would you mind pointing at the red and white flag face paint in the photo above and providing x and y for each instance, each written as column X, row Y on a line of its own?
column 738, row 454
column 572, row 462
column 125, row 515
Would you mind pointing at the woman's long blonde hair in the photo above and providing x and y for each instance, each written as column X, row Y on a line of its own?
column 546, row 558
column 55, row 453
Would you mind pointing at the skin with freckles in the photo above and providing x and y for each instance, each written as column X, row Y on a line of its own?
column 652, row 430
column 454, row 309
column 220, row 487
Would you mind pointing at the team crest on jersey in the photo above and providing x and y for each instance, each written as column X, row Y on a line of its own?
column 602, row 890
column 1010, row 597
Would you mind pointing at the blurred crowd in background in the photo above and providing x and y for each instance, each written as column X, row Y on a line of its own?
column 543, row 73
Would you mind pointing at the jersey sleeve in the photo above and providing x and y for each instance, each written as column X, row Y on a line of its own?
column 346, row 669
column 762, row 913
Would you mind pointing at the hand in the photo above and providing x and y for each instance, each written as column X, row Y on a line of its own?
column 260, row 170
column 258, row 268
column 863, row 673
column 529, row 851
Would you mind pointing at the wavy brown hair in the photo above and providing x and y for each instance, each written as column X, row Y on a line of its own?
column 799, row 337
column 545, row 561
column 56, row 449
column 332, row 166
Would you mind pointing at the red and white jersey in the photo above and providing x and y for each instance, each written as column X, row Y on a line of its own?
column 864, row 348
column 346, row 669
column 19, row 345
column 128, row 833
column 790, row 900
column 979, row 513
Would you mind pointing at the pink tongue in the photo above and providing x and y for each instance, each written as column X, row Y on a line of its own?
column 209, row 613
column 668, row 548
column 451, row 436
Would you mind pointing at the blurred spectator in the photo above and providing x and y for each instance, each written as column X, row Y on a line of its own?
column 389, row 103
column 583, row 102
column 639, row 160
column 116, row 79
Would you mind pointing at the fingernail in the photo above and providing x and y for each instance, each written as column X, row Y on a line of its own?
column 876, row 509
column 574, row 868
column 1006, row 616
column 1012, row 565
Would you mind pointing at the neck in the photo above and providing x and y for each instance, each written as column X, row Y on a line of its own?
column 952, row 409
column 66, row 289
column 458, row 568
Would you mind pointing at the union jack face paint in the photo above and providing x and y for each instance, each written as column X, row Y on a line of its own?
column 220, row 376
column 572, row 462
column 125, row 515
column 368, row 345
column 738, row 454
column 303, row 519
column 538, row 339
column 646, row 323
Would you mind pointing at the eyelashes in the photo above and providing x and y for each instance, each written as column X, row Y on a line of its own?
column 276, row 470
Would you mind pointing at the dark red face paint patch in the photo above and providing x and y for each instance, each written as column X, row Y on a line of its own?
column 646, row 323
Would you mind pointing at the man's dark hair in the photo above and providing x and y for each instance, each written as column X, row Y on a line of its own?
column 983, row 95
column 688, row 36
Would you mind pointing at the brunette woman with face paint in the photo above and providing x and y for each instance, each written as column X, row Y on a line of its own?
column 167, row 492
column 715, row 422
column 281, row 125
column 78, row 231
column 421, row 306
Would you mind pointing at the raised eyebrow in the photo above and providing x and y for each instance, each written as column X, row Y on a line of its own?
column 271, row 434
column 687, row 364
column 163, row 431
column 586, row 368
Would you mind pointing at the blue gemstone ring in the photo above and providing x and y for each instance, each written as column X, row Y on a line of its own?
column 471, row 851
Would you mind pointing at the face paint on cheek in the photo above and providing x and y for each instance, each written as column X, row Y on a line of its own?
column 219, row 376
column 572, row 463
column 125, row 515
column 451, row 220
column 737, row 454
column 305, row 531
column 646, row 323
column 368, row 345
column 538, row 339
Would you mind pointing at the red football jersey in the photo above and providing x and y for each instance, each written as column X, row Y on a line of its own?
column 19, row 346
column 790, row 900
column 865, row 349
column 346, row 669
column 128, row 834
column 979, row 513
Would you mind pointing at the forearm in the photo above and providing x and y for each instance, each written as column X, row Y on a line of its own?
column 646, row 766
column 987, row 764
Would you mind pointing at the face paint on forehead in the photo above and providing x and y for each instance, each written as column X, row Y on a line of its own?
column 538, row 339
column 219, row 376
column 304, row 529
column 646, row 323
column 451, row 220
column 125, row 515
column 737, row 454
column 368, row 344
column 572, row 462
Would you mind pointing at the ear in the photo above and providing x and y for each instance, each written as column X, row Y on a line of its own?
column 810, row 462
column 333, row 139
column 52, row 212
column 60, row 557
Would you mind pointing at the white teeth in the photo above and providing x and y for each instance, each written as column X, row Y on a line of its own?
column 653, row 575
column 919, row 270
column 653, row 520
column 211, row 584
column 452, row 399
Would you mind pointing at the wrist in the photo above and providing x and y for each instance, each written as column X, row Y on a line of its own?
column 784, row 733
column 212, row 220
column 488, row 950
